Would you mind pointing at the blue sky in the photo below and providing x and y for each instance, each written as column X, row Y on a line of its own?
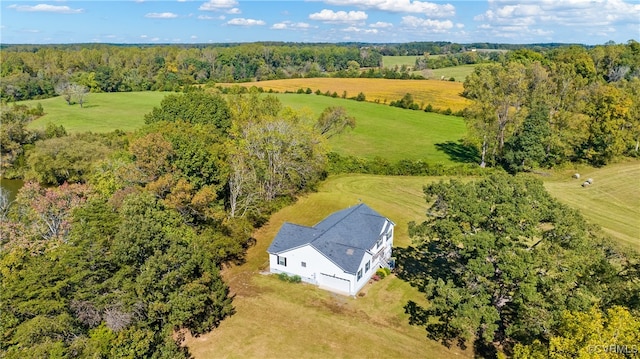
column 214, row 21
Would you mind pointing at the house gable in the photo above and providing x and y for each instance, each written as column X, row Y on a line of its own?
column 343, row 237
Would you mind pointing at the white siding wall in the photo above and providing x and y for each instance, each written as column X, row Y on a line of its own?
column 321, row 271
column 316, row 266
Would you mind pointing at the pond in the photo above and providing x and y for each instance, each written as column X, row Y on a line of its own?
column 11, row 186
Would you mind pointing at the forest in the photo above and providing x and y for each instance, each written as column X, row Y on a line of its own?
column 114, row 246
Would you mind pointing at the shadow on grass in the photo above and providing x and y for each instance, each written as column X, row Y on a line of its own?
column 459, row 152
column 90, row 106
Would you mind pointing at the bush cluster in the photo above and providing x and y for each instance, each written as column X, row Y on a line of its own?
column 383, row 272
column 291, row 279
column 379, row 166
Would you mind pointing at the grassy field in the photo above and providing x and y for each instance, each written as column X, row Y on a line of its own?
column 278, row 319
column 440, row 94
column 380, row 131
column 612, row 201
column 459, row 73
column 392, row 61
column 386, row 131
column 102, row 112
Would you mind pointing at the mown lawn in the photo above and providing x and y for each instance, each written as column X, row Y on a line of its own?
column 388, row 132
column 392, row 61
column 384, row 131
column 459, row 73
column 612, row 201
column 102, row 112
column 278, row 319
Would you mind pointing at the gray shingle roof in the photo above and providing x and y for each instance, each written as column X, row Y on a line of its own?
column 343, row 237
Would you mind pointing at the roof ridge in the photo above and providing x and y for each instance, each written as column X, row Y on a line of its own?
column 336, row 223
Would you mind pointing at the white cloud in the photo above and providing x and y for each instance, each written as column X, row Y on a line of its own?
column 234, row 11
column 565, row 13
column 46, row 8
column 143, row 36
column 339, row 16
column 239, row 21
column 402, row 6
column 161, row 15
column 193, row 37
column 427, row 25
column 381, row 25
column 360, row 30
column 217, row 5
column 289, row 25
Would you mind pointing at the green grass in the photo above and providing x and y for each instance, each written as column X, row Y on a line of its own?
column 392, row 61
column 102, row 112
column 612, row 201
column 459, row 73
column 386, row 131
column 381, row 130
column 275, row 318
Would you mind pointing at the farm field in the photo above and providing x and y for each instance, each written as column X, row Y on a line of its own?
column 380, row 130
column 440, row 94
column 459, row 73
column 103, row 112
column 281, row 319
column 612, row 201
column 386, row 131
column 392, row 61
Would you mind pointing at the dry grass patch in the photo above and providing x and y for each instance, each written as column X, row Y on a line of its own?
column 612, row 201
column 440, row 94
column 280, row 319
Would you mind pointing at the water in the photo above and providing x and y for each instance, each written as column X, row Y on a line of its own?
column 11, row 186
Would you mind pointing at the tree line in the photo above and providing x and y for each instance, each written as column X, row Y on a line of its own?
column 567, row 105
column 30, row 72
column 114, row 245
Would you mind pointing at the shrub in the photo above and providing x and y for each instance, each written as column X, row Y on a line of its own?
column 381, row 273
column 360, row 97
column 291, row 279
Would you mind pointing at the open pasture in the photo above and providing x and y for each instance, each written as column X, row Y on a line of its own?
column 440, row 94
column 459, row 73
column 102, row 112
column 393, row 61
column 388, row 132
column 612, row 201
column 384, row 131
column 276, row 318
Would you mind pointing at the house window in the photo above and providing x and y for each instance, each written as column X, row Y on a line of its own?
column 282, row 261
column 359, row 274
column 389, row 234
column 379, row 243
column 367, row 266
column 304, row 264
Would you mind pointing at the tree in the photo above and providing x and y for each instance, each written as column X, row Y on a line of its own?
column 80, row 92
column 608, row 109
column 593, row 333
column 333, row 121
column 64, row 89
column 65, row 159
column 195, row 107
column 499, row 260
column 499, row 97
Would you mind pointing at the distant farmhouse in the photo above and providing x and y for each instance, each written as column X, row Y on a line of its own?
column 339, row 254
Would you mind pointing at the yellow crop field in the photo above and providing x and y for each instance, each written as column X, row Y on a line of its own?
column 440, row 94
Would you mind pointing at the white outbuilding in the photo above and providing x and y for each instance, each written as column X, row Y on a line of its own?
column 339, row 254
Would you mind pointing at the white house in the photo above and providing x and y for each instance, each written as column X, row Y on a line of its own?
column 339, row 254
